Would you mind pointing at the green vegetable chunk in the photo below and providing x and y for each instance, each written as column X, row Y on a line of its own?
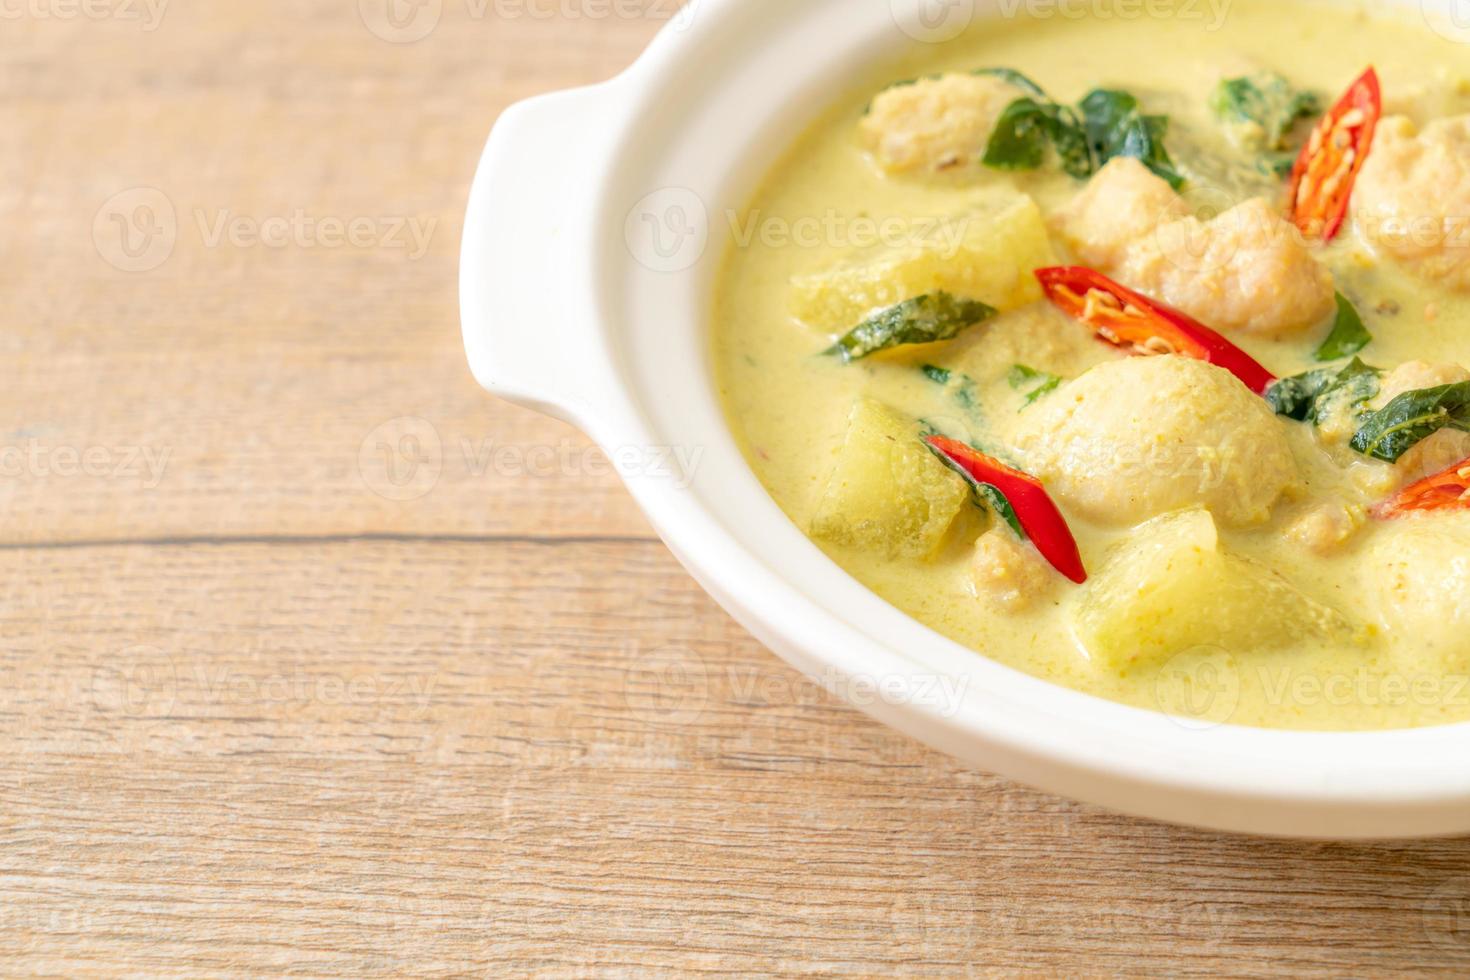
column 987, row 253
column 887, row 494
column 1412, row 417
column 1348, row 336
column 924, row 319
column 1313, row 396
column 1260, row 112
column 1173, row 586
column 1035, row 384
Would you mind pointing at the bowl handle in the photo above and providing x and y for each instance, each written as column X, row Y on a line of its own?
column 531, row 326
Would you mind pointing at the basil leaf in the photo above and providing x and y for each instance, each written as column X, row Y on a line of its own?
column 1107, row 124
column 1412, row 417
column 1115, row 127
column 1264, row 108
column 1386, row 434
column 986, row 495
column 1035, row 384
column 1069, row 137
column 1024, row 131
column 1030, row 124
column 1260, row 113
column 1020, row 137
column 1348, row 336
column 922, row 320
column 1312, row 396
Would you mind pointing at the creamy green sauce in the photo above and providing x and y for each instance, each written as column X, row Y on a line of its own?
column 828, row 199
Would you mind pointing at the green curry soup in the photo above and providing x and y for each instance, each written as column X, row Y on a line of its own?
column 1214, row 458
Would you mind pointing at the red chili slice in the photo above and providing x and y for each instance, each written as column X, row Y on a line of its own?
column 1140, row 325
column 1037, row 514
column 1449, row 490
column 1322, row 181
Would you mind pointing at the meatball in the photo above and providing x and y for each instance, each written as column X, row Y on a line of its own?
column 1009, row 572
column 1135, row 438
column 1420, row 570
column 1412, row 200
column 1247, row 271
column 1441, row 450
column 935, row 124
column 1122, row 204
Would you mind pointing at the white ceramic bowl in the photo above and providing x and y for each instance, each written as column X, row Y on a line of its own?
column 574, row 306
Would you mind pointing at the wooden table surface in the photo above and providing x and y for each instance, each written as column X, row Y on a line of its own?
column 316, row 660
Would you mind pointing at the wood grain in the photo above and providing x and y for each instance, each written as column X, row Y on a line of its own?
column 402, row 758
column 262, row 377
column 327, row 692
